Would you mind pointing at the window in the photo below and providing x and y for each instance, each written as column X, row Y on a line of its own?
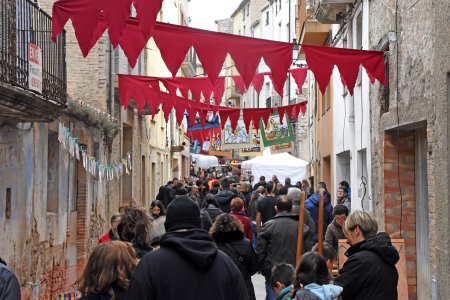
column 267, row 18
column 248, row 9
column 280, row 5
column 243, row 14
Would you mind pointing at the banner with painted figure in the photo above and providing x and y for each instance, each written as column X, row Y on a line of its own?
column 276, row 132
column 237, row 138
column 215, row 147
column 212, row 121
column 256, row 147
column 280, row 148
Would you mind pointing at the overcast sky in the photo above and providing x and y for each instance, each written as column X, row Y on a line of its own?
column 204, row 12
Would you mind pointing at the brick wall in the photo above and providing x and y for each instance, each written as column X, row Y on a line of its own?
column 394, row 208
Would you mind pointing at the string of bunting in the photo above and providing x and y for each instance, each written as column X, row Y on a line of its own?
column 103, row 171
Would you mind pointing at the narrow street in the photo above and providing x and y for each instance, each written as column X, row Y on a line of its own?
column 139, row 137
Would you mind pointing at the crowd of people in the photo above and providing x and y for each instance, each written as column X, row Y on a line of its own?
column 204, row 238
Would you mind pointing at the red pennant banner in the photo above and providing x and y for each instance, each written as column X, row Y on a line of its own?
column 89, row 17
column 321, row 61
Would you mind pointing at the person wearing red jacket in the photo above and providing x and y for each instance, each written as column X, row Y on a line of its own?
column 237, row 210
column 111, row 234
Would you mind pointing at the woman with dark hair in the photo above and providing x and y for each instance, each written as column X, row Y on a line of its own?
column 228, row 233
column 134, row 227
column 313, row 278
column 158, row 218
column 108, row 271
column 209, row 211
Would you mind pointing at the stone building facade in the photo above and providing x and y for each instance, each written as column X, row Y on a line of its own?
column 409, row 137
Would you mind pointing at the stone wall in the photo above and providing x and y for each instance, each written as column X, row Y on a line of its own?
column 422, row 102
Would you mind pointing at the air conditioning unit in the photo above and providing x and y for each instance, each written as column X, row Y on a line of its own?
column 332, row 11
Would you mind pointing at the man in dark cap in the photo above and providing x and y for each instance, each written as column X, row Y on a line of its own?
column 188, row 264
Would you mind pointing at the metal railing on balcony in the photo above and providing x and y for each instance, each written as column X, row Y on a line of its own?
column 22, row 22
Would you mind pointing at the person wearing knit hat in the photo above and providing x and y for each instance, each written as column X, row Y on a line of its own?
column 187, row 255
column 182, row 213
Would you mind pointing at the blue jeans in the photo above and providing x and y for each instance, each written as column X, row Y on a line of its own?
column 270, row 293
column 255, row 236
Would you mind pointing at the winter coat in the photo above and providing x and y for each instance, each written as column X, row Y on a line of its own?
column 285, row 293
column 108, row 236
column 141, row 250
column 187, row 266
column 307, row 219
column 266, row 206
column 315, row 291
column 9, row 285
column 370, row 273
column 333, row 234
column 240, row 250
column 213, row 212
column 312, row 204
column 166, row 194
column 284, row 189
column 157, row 230
column 346, row 202
column 248, row 232
column 277, row 242
column 119, row 294
column 224, row 198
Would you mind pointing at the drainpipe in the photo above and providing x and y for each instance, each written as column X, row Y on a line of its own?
column 110, row 100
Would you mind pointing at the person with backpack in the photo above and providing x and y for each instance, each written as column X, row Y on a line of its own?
column 228, row 233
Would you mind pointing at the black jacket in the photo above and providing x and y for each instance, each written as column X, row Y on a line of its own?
column 277, row 241
column 284, row 189
column 370, row 273
column 119, row 294
column 224, row 198
column 240, row 250
column 187, row 266
column 9, row 286
column 213, row 212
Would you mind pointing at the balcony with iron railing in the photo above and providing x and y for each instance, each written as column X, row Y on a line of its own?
column 189, row 64
column 25, row 44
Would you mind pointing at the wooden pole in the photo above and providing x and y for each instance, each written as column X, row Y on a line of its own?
column 320, row 229
column 301, row 217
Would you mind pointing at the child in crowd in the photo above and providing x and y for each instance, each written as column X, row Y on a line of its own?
column 282, row 279
column 328, row 253
column 313, row 278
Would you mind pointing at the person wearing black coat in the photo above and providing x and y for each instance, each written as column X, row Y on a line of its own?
column 285, row 188
column 370, row 272
column 225, row 195
column 188, row 264
column 209, row 212
column 228, row 233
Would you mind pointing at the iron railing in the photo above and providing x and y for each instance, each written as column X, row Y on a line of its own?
column 23, row 22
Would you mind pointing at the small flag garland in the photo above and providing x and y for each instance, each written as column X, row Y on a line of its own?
column 104, row 172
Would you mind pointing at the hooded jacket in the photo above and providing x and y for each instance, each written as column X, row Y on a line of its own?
column 315, row 291
column 187, row 266
column 370, row 272
column 224, row 198
column 312, row 205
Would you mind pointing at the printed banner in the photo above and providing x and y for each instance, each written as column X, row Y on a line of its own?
column 280, row 148
column 205, row 146
column 34, row 68
column 256, row 147
column 276, row 132
column 237, row 138
column 215, row 147
column 211, row 121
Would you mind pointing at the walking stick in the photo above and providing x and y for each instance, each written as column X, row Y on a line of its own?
column 320, row 229
column 301, row 217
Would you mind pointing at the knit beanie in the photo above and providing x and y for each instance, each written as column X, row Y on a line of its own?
column 182, row 213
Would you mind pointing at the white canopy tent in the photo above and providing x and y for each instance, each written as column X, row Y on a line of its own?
column 282, row 165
